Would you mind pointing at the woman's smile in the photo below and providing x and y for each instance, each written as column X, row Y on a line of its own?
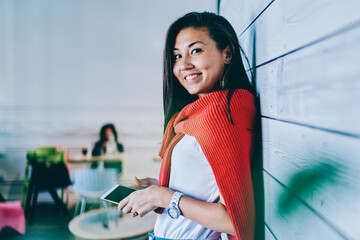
column 192, row 77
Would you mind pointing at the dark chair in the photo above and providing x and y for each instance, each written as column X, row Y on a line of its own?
column 48, row 173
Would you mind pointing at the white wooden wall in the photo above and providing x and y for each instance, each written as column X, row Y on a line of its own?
column 67, row 67
column 305, row 56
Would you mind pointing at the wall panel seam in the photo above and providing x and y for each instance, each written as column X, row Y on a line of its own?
column 347, row 134
column 324, row 219
column 338, row 32
column 256, row 18
column 267, row 226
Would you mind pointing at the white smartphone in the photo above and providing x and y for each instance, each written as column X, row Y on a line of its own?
column 117, row 193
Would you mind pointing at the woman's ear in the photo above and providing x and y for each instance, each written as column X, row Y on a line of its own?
column 227, row 53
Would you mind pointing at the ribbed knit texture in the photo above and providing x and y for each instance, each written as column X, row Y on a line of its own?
column 227, row 147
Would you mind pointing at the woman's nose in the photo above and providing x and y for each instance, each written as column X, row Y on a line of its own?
column 186, row 63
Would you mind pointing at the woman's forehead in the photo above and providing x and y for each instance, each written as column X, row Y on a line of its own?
column 188, row 36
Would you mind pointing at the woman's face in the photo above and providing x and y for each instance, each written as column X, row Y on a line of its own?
column 109, row 133
column 199, row 64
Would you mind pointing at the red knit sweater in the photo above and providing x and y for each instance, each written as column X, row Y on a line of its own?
column 227, row 148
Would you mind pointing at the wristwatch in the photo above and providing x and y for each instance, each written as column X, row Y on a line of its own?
column 173, row 209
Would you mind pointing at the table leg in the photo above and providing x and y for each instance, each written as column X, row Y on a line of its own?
column 101, row 165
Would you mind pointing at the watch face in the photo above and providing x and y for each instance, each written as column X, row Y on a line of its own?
column 173, row 213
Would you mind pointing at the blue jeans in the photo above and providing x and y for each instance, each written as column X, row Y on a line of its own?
column 152, row 237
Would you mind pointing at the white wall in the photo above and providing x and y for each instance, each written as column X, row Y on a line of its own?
column 67, row 67
column 305, row 55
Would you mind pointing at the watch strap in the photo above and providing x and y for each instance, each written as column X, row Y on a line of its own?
column 175, row 199
column 173, row 209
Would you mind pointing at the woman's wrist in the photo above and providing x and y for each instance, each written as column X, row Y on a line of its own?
column 164, row 196
column 168, row 197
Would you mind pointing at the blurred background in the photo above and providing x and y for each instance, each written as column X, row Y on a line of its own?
column 68, row 67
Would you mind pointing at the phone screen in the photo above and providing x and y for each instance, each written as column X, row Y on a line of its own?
column 117, row 193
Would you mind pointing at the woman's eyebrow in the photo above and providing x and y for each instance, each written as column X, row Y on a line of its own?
column 191, row 44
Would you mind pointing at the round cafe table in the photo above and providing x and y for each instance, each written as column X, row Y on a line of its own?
column 110, row 224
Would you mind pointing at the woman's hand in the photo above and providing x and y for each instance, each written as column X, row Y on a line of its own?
column 143, row 201
column 144, row 182
column 210, row 215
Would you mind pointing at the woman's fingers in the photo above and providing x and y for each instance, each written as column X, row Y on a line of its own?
column 123, row 203
column 138, row 182
column 146, row 200
column 128, row 209
column 135, row 214
column 134, row 202
column 144, row 182
column 142, row 211
column 152, row 181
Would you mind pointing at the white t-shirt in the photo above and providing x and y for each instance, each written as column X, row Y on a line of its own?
column 191, row 175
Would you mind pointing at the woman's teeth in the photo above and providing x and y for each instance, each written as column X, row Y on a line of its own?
column 191, row 77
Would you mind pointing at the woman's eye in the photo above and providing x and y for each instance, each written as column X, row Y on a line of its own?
column 177, row 56
column 196, row 50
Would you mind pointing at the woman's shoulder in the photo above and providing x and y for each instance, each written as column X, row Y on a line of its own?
column 238, row 99
column 120, row 147
column 215, row 107
column 243, row 97
column 240, row 94
column 241, row 106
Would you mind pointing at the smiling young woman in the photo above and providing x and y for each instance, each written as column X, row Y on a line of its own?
column 199, row 64
column 205, row 183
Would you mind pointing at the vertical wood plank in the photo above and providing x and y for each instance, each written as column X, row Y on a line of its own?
column 318, row 86
column 289, row 25
column 299, row 223
column 321, row 168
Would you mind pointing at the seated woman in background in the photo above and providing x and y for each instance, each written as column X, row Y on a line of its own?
column 107, row 132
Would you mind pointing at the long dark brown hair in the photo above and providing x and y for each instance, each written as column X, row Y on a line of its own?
column 175, row 96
